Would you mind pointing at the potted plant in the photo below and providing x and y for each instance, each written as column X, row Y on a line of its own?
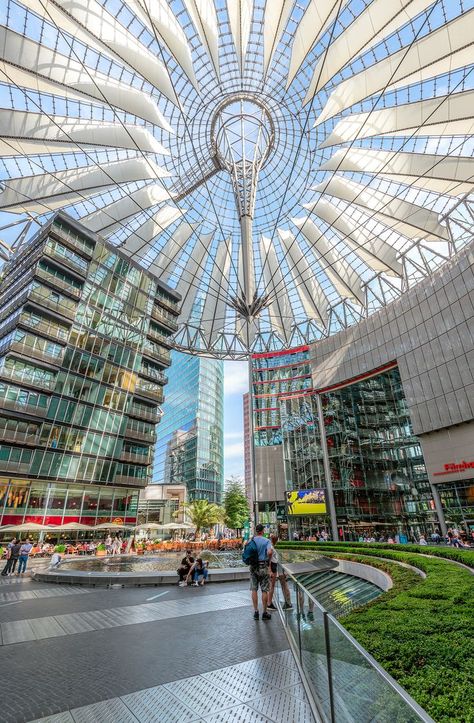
column 100, row 550
column 140, row 548
column 60, row 548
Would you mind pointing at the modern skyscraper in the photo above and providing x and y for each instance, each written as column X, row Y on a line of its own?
column 84, row 341
column 248, row 476
column 190, row 442
column 275, row 376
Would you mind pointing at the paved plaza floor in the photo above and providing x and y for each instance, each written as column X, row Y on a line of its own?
column 155, row 654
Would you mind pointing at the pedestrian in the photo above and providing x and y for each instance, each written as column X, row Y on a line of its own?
column 183, row 570
column 259, row 572
column 108, row 544
column 25, row 550
column 198, row 571
column 8, row 556
column 15, row 554
column 277, row 572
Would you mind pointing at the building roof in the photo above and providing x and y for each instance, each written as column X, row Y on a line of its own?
column 287, row 166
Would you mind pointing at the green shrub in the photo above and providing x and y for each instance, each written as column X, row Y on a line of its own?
column 466, row 556
column 100, row 546
column 421, row 631
column 60, row 548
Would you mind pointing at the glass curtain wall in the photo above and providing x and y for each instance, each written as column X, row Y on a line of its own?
column 377, row 469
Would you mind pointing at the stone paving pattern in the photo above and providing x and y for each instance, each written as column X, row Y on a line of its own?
column 129, row 667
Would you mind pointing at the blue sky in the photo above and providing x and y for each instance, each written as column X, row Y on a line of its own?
column 235, row 385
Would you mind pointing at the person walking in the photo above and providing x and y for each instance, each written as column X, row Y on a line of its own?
column 25, row 550
column 8, row 556
column 259, row 573
column 14, row 556
column 277, row 572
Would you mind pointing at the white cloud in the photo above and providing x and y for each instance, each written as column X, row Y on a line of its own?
column 234, row 450
column 236, row 377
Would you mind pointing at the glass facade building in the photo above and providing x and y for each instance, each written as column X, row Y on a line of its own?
column 275, row 375
column 378, row 476
column 84, row 343
column 189, row 447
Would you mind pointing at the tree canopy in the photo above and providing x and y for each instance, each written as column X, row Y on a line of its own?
column 236, row 506
column 203, row 514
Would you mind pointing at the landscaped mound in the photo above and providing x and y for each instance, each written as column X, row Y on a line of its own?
column 422, row 630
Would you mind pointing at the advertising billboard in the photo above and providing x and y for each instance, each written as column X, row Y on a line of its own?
column 306, row 502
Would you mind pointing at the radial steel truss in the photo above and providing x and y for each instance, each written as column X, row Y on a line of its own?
column 289, row 166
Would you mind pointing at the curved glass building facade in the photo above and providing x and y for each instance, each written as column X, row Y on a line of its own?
column 189, row 448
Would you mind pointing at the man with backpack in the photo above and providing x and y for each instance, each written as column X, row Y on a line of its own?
column 257, row 554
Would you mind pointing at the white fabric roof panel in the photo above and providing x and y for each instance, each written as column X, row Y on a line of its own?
column 138, row 243
column 88, row 22
column 188, row 284
column 379, row 19
column 36, row 126
column 166, row 261
column 276, row 17
column 131, row 204
column 36, row 192
column 407, row 214
column 441, row 116
column 280, row 307
column 204, row 16
column 240, row 17
column 339, row 272
column 214, row 309
column 309, row 290
column 453, row 175
column 376, row 253
column 444, row 50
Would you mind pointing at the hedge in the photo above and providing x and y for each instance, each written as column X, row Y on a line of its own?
column 466, row 556
column 421, row 632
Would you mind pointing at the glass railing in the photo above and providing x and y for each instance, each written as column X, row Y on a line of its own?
column 164, row 317
column 344, row 683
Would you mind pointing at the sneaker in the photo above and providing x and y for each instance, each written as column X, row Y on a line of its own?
column 310, row 615
column 266, row 616
column 287, row 606
column 195, row 584
column 256, row 615
column 271, row 607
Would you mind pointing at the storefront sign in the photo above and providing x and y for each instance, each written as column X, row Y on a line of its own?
column 452, row 468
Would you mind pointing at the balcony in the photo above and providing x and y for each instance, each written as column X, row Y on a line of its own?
column 26, row 350
column 43, row 328
column 131, row 433
column 167, row 303
column 150, row 391
column 68, row 261
column 71, row 240
column 164, row 317
column 58, row 283
column 122, row 479
column 63, row 307
column 155, row 374
column 160, row 338
column 32, row 409
column 161, row 356
column 26, row 379
column 135, row 458
column 9, row 435
column 15, row 467
column 150, row 415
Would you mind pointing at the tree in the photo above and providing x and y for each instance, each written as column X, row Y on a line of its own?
column 203, row 514
column 236, row 506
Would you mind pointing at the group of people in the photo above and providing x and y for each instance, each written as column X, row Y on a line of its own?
column 115, row 545
column 192, row 570
column 17, row 552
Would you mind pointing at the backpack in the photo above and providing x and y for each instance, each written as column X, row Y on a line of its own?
column 250, row 553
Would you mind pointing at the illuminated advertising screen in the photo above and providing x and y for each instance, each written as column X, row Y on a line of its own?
column 306, row 502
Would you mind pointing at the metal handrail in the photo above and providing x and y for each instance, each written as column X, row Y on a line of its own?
column 372, row 663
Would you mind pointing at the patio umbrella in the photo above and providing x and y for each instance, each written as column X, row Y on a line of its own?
column 73, row 526
column 172, row 526
column 149, row 526
column 25, row 526
column 111, row 526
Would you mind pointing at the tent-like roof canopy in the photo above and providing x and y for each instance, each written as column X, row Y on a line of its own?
column 289, row 166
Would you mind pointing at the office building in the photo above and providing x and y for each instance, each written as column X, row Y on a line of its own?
column 84, row 343
column 189, row 449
